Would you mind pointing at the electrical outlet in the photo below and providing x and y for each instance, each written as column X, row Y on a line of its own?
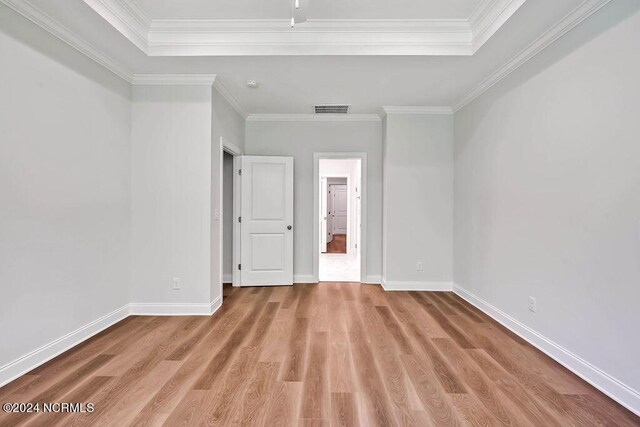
column 532, row 305
column 419, row 266
column 176, row 283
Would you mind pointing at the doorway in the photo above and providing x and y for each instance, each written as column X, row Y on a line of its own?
column 227, row 218
column 339, row 219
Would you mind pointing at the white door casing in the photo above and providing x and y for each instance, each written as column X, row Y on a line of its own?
column 266, row 249
column 361, row 179
column 323, row 214
column 339, row 210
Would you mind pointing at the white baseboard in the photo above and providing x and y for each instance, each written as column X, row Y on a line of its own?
column 32, row 360
column 175, row 309
column 615, row 389
column 227, row 278
column 304, row 278
column 372, row 280
column 394, row 285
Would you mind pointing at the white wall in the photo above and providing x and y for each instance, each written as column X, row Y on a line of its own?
column 418, row 185
column 228, row 124
column 64, row 192
column 171, row 193
column 350, row 169
column 301, row 139
column 547, row 195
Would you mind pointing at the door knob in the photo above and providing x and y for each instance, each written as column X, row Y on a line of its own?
column 288, row 227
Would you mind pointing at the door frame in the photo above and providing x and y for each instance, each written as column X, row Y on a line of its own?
column 235, row 151
column 363, row 208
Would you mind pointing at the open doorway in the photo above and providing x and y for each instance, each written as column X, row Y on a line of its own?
column 227, row 218
column 339, row 219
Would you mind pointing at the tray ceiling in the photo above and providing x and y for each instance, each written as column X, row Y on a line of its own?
column 254, row 27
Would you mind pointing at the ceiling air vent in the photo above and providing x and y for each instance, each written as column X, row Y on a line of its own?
column 331, row 109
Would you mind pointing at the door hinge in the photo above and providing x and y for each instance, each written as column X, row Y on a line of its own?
column 239, row 171
column 239, row 219
column 239, row 266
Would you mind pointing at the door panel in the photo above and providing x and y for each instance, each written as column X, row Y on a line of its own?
column 266, row 250
column 340, row 209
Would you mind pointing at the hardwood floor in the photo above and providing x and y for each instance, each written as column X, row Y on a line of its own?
column 338, row 245
column 335, row 354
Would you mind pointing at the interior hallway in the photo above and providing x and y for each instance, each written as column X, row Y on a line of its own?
column 333, row 353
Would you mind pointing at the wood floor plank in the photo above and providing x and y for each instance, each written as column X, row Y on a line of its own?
column 478, row 383
column 315, row 390
column 259, row 388
column 283, row 404
column 343, row 410
column 377, row 407
column 449, row 381
column 436, row 403
column 530, row 407
column 328, row 354
column 293, row 368
column 446, row 324
column 223, row 357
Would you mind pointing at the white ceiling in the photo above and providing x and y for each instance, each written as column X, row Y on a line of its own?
column 318, row 9
column 292, row 84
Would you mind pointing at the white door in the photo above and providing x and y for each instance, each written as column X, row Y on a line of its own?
column 266, row 227
column 339, row 211
column 329, row 213
column 323, row 214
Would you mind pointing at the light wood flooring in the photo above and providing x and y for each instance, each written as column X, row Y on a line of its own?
column 314, row 355
column 337, row 245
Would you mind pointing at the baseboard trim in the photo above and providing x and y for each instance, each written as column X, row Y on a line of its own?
column 304, row 278
column 615, row 389
column 227, row 278
column 32, row 360
column 372, row 280
column 175, row 309
column 394, row 285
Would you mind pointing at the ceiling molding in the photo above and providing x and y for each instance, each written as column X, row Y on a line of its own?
column 126, row 17
column 313, row 118
column 58, row 30
column 228, row 96
column 566, row 24
column 174, row 79
column 488, row 17
column 416, row 110
column 314, row 37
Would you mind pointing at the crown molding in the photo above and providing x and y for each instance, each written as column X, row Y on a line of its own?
column 313, row 118
column 314, row 37
column 126, row 17
column 174, row 79
column 228, row 96
column 488, row 17
column 566, row 24
column 58, row 30
column 416, row 110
